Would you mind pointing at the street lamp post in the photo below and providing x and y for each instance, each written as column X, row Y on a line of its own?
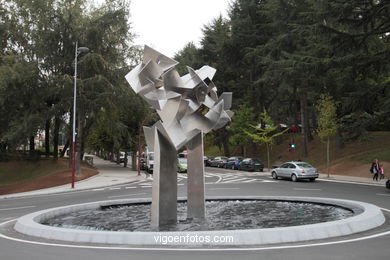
column 78, row 50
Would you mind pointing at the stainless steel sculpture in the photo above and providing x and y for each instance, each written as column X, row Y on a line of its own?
column 189, row 107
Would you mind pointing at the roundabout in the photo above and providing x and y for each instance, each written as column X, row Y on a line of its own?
column 366, row 217
column 370, row 244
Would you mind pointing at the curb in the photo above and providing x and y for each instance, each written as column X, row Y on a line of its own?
column 370, row 218
column 65, row 188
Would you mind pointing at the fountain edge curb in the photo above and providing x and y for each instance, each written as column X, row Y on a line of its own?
column 370, row 218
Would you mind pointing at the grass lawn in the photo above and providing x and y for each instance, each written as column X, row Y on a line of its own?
column 382, row 155
column 18, row 171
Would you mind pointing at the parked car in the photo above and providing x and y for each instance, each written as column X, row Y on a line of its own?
column 233, row 162
column 182, row 164
column 122, row 157
column 218, row 161
column 150, row 162
column 251, row 164
column 143, row 164
column 207, row 162
column 295, row 171
column 388, row 184
column 205, row 159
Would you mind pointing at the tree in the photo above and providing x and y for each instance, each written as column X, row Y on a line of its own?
column 36, row 70
column 188, row 56
column 327, row 122
column 266, row 133
column 241, row 123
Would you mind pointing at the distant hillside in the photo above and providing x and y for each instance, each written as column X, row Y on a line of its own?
column 354, row 159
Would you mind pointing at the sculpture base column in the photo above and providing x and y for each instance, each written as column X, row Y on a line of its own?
column 195, row 178
column 164, row 194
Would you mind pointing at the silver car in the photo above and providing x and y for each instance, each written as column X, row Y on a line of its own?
column 295, row 171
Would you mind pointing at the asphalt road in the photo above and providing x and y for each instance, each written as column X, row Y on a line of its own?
column 368, row 245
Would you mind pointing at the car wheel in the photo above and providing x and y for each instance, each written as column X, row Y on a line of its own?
column 312, row 179
column 261, row 170
column 294, row 178
column 274, row 175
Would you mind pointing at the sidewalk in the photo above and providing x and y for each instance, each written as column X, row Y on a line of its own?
column 368, row 181
column 109, row 174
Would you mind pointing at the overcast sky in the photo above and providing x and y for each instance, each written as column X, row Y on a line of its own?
column 168, row 25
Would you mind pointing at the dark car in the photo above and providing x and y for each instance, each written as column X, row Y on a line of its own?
column 251, row 164
column 218, row 161
column 233, row 162
column 207, row 162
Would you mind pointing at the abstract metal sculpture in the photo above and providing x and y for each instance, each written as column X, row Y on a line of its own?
column 189, row 107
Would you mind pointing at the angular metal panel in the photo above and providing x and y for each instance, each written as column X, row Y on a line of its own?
column 164, row 190
column 163, row 61
column 149, row 137
column 227, row 100
column 150, row 73
column 195, row 181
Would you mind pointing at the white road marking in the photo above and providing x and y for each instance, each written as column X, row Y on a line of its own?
column 130, row 188
column 114, row 188
column 195, row 249
column 269, row 181
column 229, row 178
column 381, row 194
column 224, row 188
column 235, row 180
column 305, row 189
column 98, row 189
column 215, row 175
column 26, row 207
column 250, row 180
column 127, row 195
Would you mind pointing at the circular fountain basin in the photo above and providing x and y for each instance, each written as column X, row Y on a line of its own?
column 220, row 215
column 335, row 218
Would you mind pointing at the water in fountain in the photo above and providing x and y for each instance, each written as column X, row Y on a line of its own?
column 221, row 215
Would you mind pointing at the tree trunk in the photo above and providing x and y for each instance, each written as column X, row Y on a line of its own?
column 225, row 145
column 118, row 155
column 56, row 133
column 295, row 107
column 328, row 155
column 125, row 160
column 32, row 145
column 304, row 127
column 66, row 146
column 134, row 159
column 268, row 158
column 47, row 137
column 339, row 139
